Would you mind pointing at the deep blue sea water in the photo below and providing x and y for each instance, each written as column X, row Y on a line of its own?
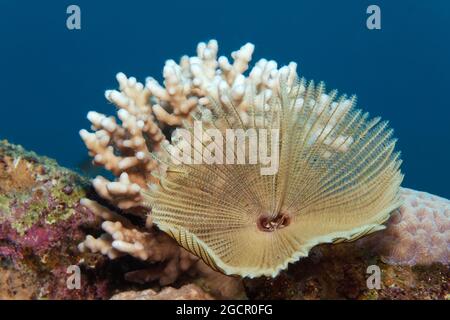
column 50, row 76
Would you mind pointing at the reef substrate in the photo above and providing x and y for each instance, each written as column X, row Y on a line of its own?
column 42, row 222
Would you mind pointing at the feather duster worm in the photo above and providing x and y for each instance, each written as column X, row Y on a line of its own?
column 338, row 179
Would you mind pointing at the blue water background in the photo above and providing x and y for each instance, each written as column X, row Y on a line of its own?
column 50, row 76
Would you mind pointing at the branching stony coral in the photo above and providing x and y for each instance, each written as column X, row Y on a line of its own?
column 125, row 148
column 193, row 89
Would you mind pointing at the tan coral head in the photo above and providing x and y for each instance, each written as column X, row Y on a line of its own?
column 338, row 179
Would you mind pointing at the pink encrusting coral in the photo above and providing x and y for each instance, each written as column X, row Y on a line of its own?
column 418, row 234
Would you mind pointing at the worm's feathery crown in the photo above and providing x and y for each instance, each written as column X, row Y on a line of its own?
column 338, row 179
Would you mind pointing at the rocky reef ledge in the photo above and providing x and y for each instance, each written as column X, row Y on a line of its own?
column 42, row 222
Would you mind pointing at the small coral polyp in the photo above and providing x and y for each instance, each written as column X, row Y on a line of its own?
column 338, row 174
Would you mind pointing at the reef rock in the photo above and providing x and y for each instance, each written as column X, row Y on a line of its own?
column 187, row 292
column 345, row 271
column 42, row 223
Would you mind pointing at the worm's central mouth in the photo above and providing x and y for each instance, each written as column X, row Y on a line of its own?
column 270, row 224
